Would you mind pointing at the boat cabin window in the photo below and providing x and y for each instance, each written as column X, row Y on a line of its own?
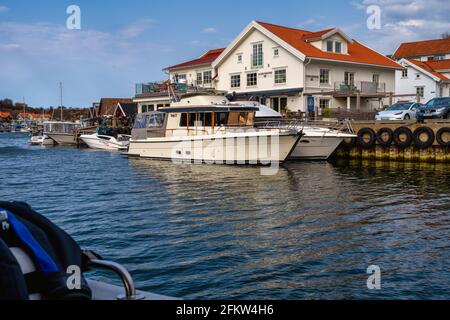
column 196, row 119
column 240, row 119
column 221, row 119
column 154, row 120
column 205, row 119
column 60, row 127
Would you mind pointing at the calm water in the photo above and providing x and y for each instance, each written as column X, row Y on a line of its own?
column 216, row 232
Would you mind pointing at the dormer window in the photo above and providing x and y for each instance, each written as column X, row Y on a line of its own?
column 338, row 47
column 330, row 46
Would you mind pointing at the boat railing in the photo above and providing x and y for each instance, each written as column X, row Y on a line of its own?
column 343, row 126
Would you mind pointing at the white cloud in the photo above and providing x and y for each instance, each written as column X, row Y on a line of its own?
column 38, row 55
column 403, row 21
column 210, row 30
column 137, row 28
column 3, row 9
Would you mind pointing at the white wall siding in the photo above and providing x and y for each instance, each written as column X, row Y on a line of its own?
column 409, row 85
column 266, row 80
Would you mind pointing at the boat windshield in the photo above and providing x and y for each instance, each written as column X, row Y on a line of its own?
column 154, row 120
column 60, row 127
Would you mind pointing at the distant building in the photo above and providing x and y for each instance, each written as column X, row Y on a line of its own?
column 423, row 79
column 196, row 73
column 152, row 96
column 107, row 106
column 126, row 110
column 5, row 116
column 427, row 70
column 438, row 49
column 33, row 116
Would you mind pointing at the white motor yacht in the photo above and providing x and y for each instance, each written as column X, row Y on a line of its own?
column 214, row 134
column 106, row 141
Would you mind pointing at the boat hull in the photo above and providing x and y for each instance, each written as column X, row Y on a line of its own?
column 240, row 149
column 108, row 143
column 65, row 139
column 316, row 148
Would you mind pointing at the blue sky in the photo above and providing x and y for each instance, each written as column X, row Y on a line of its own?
column 124, row 42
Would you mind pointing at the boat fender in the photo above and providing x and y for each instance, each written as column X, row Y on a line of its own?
column 385, row 142
column 403, row 131
column 372, row 138
column 420, row 132
column 348, row 143
column 25, row 233
column 440, row 138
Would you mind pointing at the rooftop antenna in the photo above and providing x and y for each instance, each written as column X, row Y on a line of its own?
column 61, row 99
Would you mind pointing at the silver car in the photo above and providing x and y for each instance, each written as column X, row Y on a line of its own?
column 399, row 111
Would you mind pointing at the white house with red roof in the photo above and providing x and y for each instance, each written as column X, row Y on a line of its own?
column 423, row 79
column 427, row 50
column 291, row 68
column 196, row 73
column 427, row 70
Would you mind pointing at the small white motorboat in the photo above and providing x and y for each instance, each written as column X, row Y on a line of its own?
column 103, row 141
column 41, row 140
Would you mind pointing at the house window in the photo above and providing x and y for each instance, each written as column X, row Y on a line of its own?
column 257, row 57
column 276, row 52
column 207, row 77
column 376, row 78
column 349, row 78
column 239, row 58
column 417, row 76
column 280, row 76
column 324, row 103
column 324, row 76
column 439, row 57
column 420, row 91
column 441, row 92
column 252, row 79
column 338, row 47
column 330, row 46
column 199, row 78
column 236, row 81
column 405, row 73
column 180, row 78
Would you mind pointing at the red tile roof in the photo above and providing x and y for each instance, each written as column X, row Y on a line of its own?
column 422, row 48
column 5, row 115
column 34, row 115
column 207, row 58
column 430, row 66
column 316, row 35
column 439, row 64
column 357, row 53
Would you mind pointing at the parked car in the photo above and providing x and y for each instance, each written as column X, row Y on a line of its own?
column 399, row 111
column 437, row 108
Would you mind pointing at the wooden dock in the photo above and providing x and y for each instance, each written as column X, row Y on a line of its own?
column 407, row 141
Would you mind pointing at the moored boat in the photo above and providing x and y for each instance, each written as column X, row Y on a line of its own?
column 104, row 140
column 63, row 133
column 318, row 142
column 213, row 134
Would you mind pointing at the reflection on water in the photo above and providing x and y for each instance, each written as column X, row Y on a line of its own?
column 199, row 231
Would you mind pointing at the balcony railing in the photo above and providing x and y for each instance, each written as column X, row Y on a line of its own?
column 364, row 87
